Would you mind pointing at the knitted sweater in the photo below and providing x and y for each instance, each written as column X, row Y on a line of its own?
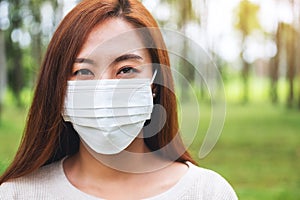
column 51, row 183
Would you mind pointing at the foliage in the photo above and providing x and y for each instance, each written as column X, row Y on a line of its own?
column 247, row 13
column 26, row 17
column 24, row 42
column 247, row 22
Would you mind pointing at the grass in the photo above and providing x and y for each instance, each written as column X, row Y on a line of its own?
column 11, row 128
column 12, row 122
column 258, row 151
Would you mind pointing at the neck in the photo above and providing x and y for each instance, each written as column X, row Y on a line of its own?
column 136, row 159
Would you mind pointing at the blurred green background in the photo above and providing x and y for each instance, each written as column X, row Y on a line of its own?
column 256, row 47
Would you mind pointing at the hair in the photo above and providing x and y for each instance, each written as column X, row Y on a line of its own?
column 47, row 137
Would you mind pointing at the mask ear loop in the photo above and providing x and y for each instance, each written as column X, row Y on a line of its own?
column 151, row 82
column 153, row 77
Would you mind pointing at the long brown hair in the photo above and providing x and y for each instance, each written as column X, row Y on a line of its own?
column 47, row 138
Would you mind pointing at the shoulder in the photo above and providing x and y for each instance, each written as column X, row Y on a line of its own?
column 207, row 184
column 28, row 186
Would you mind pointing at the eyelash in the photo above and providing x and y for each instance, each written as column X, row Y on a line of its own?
column 83, row 70
column 127, row 68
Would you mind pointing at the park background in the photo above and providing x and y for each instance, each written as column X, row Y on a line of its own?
column 256, row 48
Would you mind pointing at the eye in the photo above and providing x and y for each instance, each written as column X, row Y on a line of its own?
column 127, row 70
column 83, row 74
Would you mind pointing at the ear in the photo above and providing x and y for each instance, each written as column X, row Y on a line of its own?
column 154, row 90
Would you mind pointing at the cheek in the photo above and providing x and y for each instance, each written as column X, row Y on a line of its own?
column 148, row 65
column 147, row 71
column 72, row 78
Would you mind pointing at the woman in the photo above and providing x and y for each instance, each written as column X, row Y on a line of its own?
column 76, row 147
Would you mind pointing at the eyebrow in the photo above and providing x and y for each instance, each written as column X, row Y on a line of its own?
column 119, row 59
column 128, row 57
column 84, row 60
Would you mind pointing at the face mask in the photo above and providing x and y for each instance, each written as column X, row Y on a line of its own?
column 108, row 114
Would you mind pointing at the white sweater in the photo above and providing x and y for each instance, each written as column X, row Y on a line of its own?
column 51, row 183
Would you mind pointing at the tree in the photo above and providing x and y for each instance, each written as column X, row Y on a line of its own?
column 23, row 61
column 183, row 13
column 291, row 62
column 247, row 22
column 36, row 44
column 37, row 36
column 298, row 62
column 274, row 68
column 14, row 51
column 286, row 40
column 2, row 70
column 291, row 49
column 297, row 44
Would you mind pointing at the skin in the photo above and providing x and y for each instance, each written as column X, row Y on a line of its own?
column 105, row 61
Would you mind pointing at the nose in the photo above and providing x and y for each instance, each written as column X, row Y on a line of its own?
column 107, row 74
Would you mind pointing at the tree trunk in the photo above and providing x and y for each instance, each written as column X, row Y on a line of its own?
column 2, row 71
column 15, row 73
column 245, row 77
column 298, row 66
column 274, row 67
column 291, row 59
column 297, row 41
column 245, row 73
column 186, row 69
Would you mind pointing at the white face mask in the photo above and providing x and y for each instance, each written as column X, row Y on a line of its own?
column 108, row 114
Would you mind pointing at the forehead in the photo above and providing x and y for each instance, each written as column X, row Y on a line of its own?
column 112, row 36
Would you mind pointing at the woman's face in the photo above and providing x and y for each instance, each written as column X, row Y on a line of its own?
column 113, row 50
